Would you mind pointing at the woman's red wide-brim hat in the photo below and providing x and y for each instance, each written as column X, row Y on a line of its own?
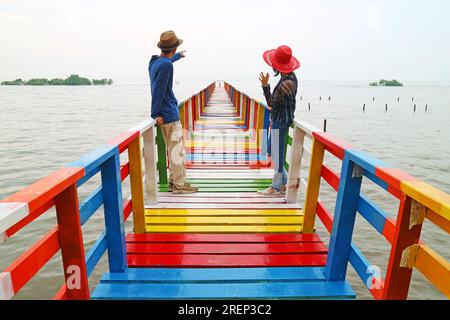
column 281, row 59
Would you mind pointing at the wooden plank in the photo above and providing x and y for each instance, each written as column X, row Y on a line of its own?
column 95, row 253
column 224, row 238
column 136, row 184
column 40, row 194
column 221, row 212
column 273, row 290
column 220, row 200
column 225, row 260
column 33, row 259
column 312, row 192
column 113, row 208
column 435, row 268
column 10, row 214
column 218, row 221
column 151, row 186
column 295, row 166
column 225, row 248
column 192, row 275
column 343, row 221
column 71, row 243
column 90, row 205
column 224, row 228
column 236, row 195
column 219, row 205
column 332, row 144
column 398, row 276
column 124, row 139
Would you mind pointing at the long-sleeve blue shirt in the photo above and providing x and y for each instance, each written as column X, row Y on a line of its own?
column 164, row 102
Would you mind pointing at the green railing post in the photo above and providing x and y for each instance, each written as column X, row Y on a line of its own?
column 162, row 160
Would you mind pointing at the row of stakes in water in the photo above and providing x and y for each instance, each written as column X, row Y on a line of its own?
column 364, row 105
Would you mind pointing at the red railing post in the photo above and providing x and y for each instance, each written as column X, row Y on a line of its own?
column 404, row 245
column 71, row 242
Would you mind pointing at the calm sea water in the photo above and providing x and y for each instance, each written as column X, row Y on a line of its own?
column 42, row 128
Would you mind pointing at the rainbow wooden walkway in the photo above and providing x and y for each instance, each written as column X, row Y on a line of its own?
column 225, row 242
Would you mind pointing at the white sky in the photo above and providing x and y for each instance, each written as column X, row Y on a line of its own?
column 335, row 40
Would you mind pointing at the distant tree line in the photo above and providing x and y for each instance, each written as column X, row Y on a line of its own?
column 72, row 80
column 386, row 83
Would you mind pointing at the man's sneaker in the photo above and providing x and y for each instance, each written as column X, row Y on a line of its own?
column 170, row 186
column 283, row 189
column 269, row 192
column 187, row 188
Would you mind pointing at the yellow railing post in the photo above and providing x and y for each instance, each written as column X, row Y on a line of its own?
column 136, row 185
column 312, row 191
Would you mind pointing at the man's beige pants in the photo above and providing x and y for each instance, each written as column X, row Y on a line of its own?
column 173, row 136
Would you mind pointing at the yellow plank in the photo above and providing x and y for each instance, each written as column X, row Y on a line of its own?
column 225, row 220
column 438, row 220
column 312, row 192
column 435, row 268
column 222, row 212
column 136, row 185
column 429, row 196
column 223, row 229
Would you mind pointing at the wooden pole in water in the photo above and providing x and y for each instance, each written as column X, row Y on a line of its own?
column 325, row 125
column 320, row 98
column 398, row 99
column 301, row 98
column 309, row 106
column 385, row 110
column 412, row 99
column 426, row 107
column 415, row 108
column 373, row 98
column 329, row 98
column 364, row 107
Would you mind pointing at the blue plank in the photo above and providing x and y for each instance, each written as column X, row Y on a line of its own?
column 95, row 253
column 113, row 207
column 363, row 267
column 365, row 160
column 272, row 290
column 91, row 161
column 196, row 275
column 90, row 205
column 343, row 222
column 370, row 211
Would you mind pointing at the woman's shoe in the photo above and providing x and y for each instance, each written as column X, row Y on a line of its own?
column 186, row 189
column 283, row 189
column 269, row 192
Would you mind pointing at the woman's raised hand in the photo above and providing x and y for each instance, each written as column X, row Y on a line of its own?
column 264, row 79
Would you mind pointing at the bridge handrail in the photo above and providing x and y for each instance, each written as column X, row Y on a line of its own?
column 60, row 190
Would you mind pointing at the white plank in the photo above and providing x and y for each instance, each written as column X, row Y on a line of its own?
column 151, row 186
column 295, row 165
column 11, row 213
column 224, row 206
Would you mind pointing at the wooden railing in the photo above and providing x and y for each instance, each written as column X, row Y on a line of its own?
column 60, row 190
column 417, row 201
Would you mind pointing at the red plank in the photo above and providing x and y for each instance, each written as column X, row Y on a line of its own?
column 124, row 171
column 71, row 242
column 332, row 144
column 225, row 260
column 127, row 209
column 393, row 177
column 389, row 229
column 226, row 248
column 44, row 190
column 330, row 177
column 224, row 238
column 32, row 260
column 124, row 139
column 325, row 216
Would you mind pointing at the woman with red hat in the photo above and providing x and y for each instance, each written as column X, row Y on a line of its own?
column 282, row 105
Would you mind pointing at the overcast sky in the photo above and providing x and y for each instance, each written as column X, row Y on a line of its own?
column 334, row 40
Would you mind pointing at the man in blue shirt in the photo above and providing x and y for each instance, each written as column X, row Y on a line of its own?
column 165, row 109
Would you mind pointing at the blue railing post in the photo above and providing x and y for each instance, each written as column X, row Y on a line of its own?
column 113, row 206
column 344, row 220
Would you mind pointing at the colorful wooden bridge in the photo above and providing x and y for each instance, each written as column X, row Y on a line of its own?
column 225, row 242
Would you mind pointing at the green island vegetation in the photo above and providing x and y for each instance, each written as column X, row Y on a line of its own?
column 72, row 80
column 386, row 83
